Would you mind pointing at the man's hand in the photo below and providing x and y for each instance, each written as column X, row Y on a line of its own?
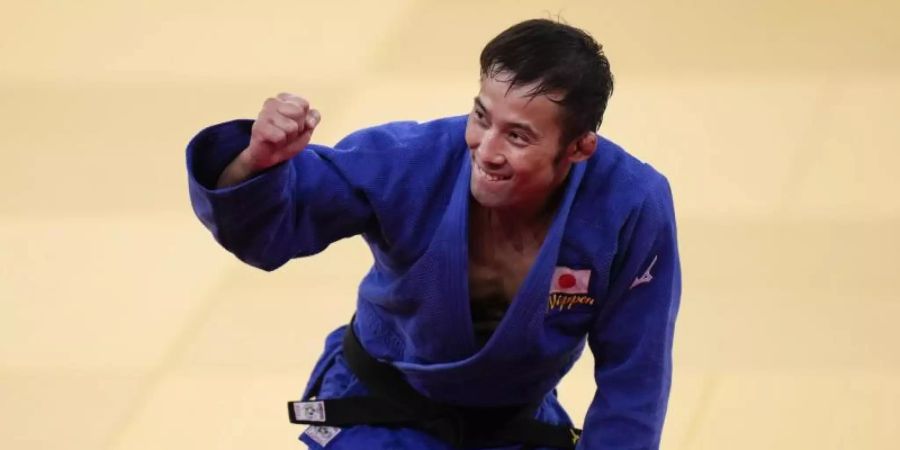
column 282, row 129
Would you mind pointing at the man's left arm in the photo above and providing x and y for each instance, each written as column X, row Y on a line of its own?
column 632, row 337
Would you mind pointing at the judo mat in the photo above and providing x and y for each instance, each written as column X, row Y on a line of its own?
column 123, row 325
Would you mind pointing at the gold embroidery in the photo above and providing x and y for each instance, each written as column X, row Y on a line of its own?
column 566, row 301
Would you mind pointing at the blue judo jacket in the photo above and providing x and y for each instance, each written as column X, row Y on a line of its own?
column 607, row 273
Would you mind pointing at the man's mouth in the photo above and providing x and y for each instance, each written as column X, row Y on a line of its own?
column 489, row 176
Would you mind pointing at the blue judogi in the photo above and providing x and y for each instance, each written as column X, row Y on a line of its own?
column 405, row 188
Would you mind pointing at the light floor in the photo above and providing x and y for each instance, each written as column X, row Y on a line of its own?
column 124, row 326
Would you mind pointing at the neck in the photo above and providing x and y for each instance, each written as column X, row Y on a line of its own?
column 523, row 216
column 521, row 224
column 536, row 212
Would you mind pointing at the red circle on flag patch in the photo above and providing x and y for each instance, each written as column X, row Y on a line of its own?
column 566, row 281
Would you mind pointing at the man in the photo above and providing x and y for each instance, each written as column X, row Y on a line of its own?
column 502, row 241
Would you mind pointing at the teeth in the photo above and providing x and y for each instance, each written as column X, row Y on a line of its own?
column 489, row 176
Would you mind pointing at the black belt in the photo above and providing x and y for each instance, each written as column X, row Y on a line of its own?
column 394, row 403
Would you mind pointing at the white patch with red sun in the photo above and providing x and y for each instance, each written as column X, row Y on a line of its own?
column 570, row 281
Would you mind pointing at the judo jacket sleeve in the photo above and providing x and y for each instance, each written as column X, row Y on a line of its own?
column 632, row 337
column 295, row 208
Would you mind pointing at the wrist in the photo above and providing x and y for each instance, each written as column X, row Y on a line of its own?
column 241, row 168
column 246, row 164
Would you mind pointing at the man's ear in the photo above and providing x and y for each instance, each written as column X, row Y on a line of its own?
column 583, row 147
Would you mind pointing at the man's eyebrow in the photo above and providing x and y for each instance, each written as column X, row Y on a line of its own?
column 517, row 125
column 479, row 104
column 525, row 127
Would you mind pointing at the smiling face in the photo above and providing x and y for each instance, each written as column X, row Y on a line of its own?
column 517, row 160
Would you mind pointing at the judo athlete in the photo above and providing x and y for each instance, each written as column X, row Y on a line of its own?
column 503, row 241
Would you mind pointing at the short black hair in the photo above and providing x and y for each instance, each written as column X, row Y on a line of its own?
column 559, row 58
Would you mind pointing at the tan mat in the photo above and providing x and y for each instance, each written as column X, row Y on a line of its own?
column 123, row 325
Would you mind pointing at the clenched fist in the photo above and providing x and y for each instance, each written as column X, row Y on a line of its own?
column 282, row 129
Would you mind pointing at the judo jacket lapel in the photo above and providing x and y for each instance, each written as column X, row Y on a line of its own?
column 519, row 333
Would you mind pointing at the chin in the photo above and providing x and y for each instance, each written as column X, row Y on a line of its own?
column 487, row 200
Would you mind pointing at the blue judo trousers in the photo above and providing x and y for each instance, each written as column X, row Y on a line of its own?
column 607, row 274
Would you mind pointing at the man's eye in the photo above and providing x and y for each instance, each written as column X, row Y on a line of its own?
column 479, row 114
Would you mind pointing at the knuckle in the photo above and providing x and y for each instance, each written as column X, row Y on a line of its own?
column 271, row 133
column 289, row 109
column 280, row 121
column 278, row 135
column 291, row 126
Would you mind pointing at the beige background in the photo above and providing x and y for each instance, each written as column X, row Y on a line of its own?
column 124, row 326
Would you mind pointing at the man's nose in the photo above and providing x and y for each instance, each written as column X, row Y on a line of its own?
column 490, row 150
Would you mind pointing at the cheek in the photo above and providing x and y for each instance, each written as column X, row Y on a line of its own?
column 473, row 135
column 533, row 171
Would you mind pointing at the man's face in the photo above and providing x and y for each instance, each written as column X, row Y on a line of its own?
column 514, row 143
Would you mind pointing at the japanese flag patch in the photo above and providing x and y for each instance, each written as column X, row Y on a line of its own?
column 570, row 281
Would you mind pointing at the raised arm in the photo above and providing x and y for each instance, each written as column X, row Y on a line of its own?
column 265, row 193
